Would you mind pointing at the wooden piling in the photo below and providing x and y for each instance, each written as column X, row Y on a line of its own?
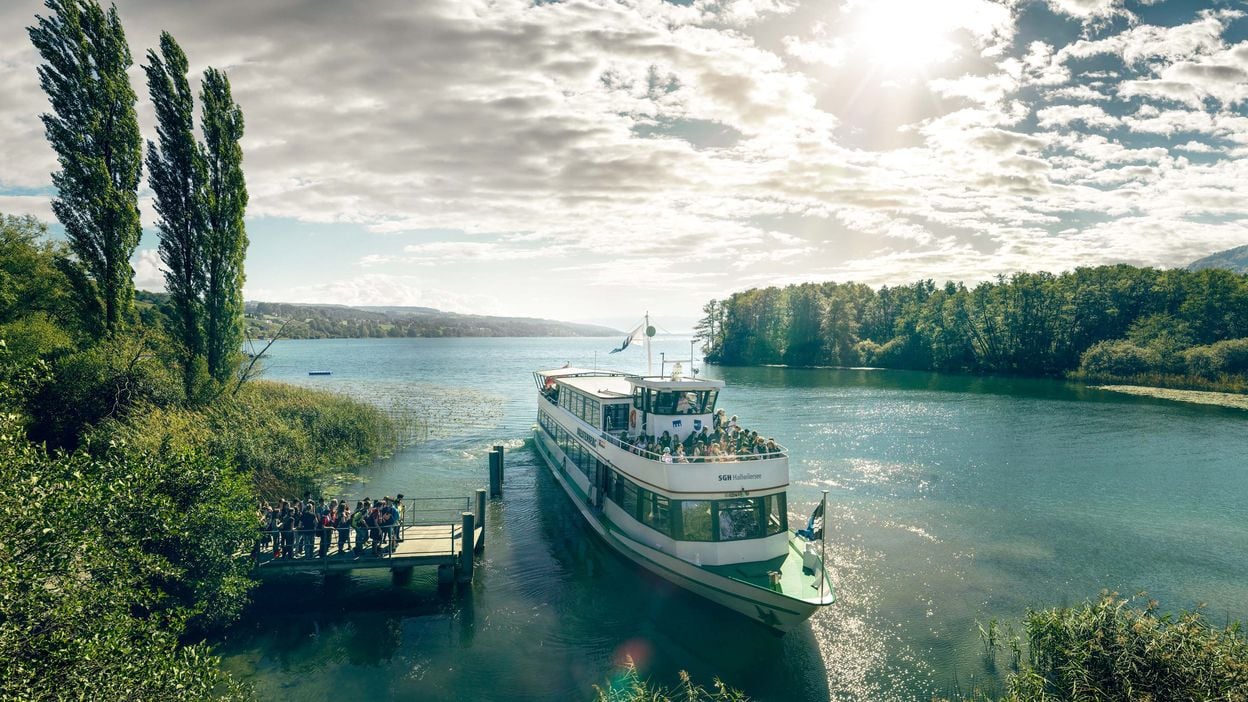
column 481, row 517
column 465, row 553
column 496, row 474
column 502, row 465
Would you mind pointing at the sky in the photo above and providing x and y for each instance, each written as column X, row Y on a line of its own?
column 592, row 160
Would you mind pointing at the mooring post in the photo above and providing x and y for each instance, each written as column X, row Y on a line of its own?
column 496, row 474
column 481, row 517
column 465, row 551
column 502, row 464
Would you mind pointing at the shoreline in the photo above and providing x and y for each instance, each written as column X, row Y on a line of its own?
column 1199, row 397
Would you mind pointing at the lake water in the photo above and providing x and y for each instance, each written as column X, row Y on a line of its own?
column 951, row 500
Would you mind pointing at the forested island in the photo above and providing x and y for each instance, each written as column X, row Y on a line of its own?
column 1173, row 328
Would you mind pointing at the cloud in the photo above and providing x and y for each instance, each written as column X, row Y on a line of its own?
column 1064, row 115
column 709, row 144
column 380, row 289
column 149, row 270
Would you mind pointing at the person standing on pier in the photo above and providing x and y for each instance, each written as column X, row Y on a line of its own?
column 308, row 527
column 361, row 535
column 391, row 520
column 342, row 520
column 398, row 504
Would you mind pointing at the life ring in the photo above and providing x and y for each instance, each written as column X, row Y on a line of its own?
column 632, row 418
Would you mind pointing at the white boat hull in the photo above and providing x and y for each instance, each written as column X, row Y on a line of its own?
column 768, row 607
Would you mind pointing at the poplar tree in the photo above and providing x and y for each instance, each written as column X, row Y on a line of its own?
column 225, row 201
column 177, row 174
column 95, row 133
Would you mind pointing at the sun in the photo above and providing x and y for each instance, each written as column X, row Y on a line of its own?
column 901, row 36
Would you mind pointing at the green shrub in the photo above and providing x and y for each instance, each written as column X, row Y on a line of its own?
column 1111, row 650
column 101, row 382
column 1119, row 358
column 92, row 554
column 1201, row 361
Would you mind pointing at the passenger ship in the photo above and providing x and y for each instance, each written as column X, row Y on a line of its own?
column 716, row 526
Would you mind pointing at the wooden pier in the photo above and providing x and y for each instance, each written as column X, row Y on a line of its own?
column 430, row 537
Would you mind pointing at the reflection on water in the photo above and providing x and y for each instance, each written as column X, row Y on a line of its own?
column 951, row 500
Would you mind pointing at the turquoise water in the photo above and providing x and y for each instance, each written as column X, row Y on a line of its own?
column 951, row 500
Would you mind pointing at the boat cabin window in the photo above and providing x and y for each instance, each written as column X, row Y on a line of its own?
column 587, row 408
column 698, row 520
column 615, row 417
column 676, row 402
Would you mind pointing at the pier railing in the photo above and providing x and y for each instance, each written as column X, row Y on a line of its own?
column 723, row 458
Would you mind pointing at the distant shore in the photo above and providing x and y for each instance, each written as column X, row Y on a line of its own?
column 1200, row 397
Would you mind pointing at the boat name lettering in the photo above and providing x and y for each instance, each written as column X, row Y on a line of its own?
column 739, row 476
column 586, row 435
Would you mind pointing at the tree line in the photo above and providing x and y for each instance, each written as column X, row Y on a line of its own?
column 1106, row 321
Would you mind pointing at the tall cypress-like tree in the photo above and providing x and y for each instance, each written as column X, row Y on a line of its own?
column 95, row 133
column 177, row 173
column 225, row 199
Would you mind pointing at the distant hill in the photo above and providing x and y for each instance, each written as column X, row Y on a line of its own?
column 1235, row 259
column 305, row 321
column 341, row 321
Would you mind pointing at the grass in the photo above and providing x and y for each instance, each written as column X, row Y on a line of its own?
column 1116, row 648
column 629, row 687
column 1231, row 384
column 291, row 440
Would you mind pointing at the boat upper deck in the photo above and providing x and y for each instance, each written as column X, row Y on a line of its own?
column 654, row 408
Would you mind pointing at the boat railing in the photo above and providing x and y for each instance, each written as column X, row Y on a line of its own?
column 725, row 458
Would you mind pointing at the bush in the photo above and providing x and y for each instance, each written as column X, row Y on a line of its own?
column 86, row 545
column 1118, row 358
column 1110, row 650
column 1201, row 361
column 1232, row 355
column 104, row 381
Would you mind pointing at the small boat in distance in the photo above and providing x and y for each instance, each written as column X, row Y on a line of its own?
column 716, row 525
column 320, row 372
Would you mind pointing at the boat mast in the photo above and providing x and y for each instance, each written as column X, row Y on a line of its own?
column 649, row 358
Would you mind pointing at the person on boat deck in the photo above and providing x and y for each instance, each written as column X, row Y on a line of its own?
column 667, row 455
column 666, row 440
column 718, row 419
column 683, row 405
column 679, row 456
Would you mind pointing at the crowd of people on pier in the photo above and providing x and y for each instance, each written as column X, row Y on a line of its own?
column 308, row 528
column 724, row 440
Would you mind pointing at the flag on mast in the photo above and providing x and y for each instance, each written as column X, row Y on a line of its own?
column 814, row 525
column 635, row 335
